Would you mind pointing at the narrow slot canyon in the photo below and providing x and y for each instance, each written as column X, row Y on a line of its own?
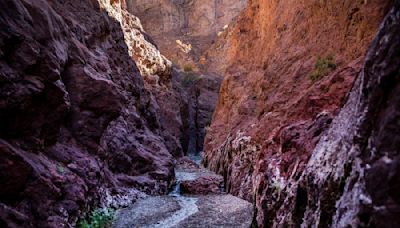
column 199, row 113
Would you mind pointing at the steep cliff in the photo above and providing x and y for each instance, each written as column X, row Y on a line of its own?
column 353, row 176
column 291, row 65
column 78, row 128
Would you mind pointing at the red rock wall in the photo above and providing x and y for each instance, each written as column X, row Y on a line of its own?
column 78, row 129
column 270, row 114
column 195, row 23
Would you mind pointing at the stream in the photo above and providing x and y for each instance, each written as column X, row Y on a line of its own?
column 182, row 210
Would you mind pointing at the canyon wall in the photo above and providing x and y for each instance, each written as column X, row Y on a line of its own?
column 184, row 29
column 79, row 126
column 291, row 66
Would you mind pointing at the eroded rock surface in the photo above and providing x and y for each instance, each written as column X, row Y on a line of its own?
column 271, row 113
column 78, row 128
column 193, row 179
column 203, row 185
column 353, row 174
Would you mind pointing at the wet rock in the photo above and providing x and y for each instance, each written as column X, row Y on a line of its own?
column 186, row 163
column 221, row 211
column 201, row 211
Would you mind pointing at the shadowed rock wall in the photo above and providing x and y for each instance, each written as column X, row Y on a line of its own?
column 77, row 126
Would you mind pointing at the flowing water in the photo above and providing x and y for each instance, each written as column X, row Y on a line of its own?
column 177, row 210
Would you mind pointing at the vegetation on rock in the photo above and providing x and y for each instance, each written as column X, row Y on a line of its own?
column 99, row 218
column 188, row 68
column 190, row 78
column 323, row 67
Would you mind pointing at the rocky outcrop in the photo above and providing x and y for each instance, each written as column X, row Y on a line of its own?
column 78, row 128
column 141, row 47
column 280, row 94
column 203, row 185
column 193, row 179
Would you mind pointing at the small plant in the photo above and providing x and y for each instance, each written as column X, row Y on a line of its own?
column 188, row 68
column 323, row 67
column 99, row 218
column 190, row 78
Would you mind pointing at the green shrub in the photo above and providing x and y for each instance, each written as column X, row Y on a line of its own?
column 188, row 68
column 99, row 218
column 190, row 78
column 323, row 67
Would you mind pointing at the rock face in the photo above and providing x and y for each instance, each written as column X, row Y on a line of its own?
column 200, row 101
column 184, row 29
column 353, row 176
column 280, row 94
column 142, row 49
column 77, row 125
column 185, row 110
column 157, row 73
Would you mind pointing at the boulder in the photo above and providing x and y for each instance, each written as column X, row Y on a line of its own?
column 203, row 185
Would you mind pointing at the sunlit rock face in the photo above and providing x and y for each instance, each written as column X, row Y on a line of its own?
column 141, row 48
column 290, row 68
column 156, row 71
column 184, row 29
